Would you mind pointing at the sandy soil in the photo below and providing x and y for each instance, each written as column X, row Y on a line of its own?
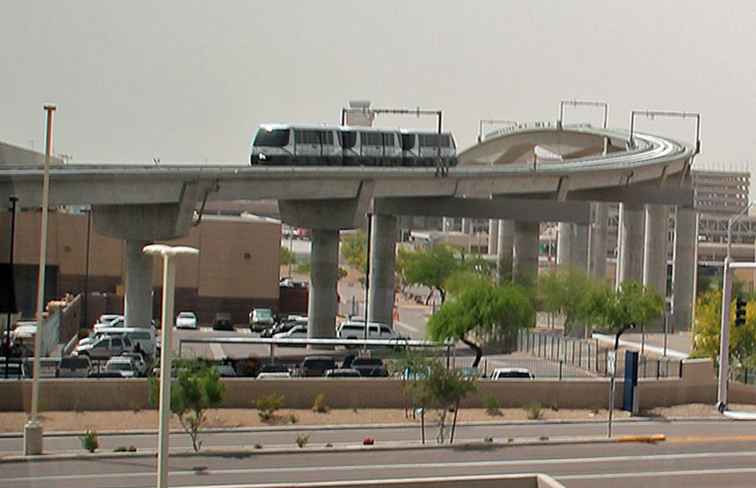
column 148, row 419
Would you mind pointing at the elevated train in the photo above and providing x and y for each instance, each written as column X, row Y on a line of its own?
column 301, row 145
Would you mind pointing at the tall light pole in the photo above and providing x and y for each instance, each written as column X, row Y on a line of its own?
column 724, row 325
column 33, row 427
column 169, row 285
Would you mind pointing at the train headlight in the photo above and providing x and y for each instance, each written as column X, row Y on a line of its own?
column 262, row 157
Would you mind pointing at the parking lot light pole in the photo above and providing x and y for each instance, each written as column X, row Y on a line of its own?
column 169, row 284
column 33, row 428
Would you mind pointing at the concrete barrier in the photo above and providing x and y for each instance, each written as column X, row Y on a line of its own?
column 488, row 481
column 132, row 394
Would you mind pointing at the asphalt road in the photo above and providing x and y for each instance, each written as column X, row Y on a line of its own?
column 663, row 465
column 682, row 431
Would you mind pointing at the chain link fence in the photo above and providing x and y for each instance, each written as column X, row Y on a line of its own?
column 591, row 356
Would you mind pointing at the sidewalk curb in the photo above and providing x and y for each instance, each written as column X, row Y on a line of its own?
column 388, row 446
column 313, row 428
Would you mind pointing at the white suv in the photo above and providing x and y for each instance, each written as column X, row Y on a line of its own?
column 354, row 329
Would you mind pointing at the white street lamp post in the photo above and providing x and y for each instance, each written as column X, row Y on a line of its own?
column 33, row 428
column 169, row 284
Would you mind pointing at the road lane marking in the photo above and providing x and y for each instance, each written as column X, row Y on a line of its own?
column 703, row 439
column 412, row 466
column 655, row 474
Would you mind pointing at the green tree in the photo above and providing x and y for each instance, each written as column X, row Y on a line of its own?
column 633, row 303
column 287, row 257
column 196, row 389
column 433, row 386
column 581, row 299
column 430, row 267
column 706, row 330
column 479, row 309
column 354, row 250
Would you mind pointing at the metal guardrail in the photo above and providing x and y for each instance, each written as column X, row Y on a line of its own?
column 346, row 343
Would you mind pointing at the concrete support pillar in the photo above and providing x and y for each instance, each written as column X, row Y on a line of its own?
column 684, row 271
column 447, row 224
column 564, row 244
column 580, row 247
column 505, row 249
column 138, row 299
column 631, row 243
column 525, row 255
column 493, row 237
column 324, row 271
column 572, row 246
column 382, row 261
column 467, row 226
column 655, row 249
column 597, row 240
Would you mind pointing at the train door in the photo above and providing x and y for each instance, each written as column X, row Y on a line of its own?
column 410, row 156
column 309, row 150
column 371, row 148
column 349, row 148
column 391, row 150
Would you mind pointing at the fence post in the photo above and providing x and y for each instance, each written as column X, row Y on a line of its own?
column 559, row 349
column 580, row 354
column 745, row 371
column 560, row 370
column 658, row 369
column 645, row 364
column 597, row 357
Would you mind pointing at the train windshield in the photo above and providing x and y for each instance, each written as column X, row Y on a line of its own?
column 272, row 138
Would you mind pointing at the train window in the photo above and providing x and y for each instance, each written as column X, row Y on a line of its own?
column 434, row 140
column 272, row 138
column 348, row 139
column 388, row 139
column 408, row 142
column 371, row 138
column 307, row 137
column 327, row 138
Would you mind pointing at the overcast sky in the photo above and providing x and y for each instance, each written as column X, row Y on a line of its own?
column 191, row 80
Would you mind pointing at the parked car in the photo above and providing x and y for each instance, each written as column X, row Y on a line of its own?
column 145, row 337
column 512, row 373
column 107, row 318
column 314, row 366
column 122, row 364
column 225, row 370
column 355, row 329
column 342, row 373
column 273, row 371
column 139, row 363
column 105, row 347
column 370, row 367
column 285, row 325
column 117, row 321
column 186, row 320
column 260, row 319
column 296, row 332
column 105, row 374
column 223, row 322
column 73, row 367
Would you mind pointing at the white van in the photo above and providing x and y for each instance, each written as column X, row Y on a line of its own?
column 354, row 329
column 144, row 337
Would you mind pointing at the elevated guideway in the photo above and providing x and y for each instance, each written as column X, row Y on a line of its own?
column 495, row 179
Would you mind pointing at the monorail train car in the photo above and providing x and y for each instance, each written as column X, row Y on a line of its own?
column 300, row 145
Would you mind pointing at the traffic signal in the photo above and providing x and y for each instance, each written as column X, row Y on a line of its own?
column 740, row 311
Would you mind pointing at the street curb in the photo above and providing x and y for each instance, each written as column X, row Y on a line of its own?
column 312, row 428
column 388, row 446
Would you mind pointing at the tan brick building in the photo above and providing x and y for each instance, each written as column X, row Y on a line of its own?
column 237, row 268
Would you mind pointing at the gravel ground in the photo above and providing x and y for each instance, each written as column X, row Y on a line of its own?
column 148, row 419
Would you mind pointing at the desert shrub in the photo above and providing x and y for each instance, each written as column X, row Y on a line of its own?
column 491, row 404
column 534, row 411
column 267, row 406
column 89, row 440
column 320, row 405
column 302, row 439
